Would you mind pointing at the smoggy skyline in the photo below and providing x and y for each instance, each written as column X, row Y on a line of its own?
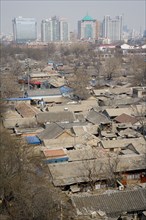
column 134, row 14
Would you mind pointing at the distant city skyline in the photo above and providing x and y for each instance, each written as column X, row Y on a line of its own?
column 133, row 11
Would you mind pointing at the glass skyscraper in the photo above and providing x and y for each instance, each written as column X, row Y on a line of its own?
column 24, row 30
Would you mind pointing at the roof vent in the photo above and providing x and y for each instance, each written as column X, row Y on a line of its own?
column 121, row 188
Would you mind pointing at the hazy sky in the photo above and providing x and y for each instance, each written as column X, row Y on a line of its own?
column 134, row 11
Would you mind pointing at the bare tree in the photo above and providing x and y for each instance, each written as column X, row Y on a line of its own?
column 9, row 86
column 16, row 69
column 138, row 70
column 94, row 171
column 111, row 169
column 79, row 82
column 140, row 114
column 111, row 67
column 78, row 50
column 26, row 191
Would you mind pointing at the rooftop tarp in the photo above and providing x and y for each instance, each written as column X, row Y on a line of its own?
column 33, row 140
column 65, row 89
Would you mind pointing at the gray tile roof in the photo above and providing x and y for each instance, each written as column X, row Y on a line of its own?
column 78, row 170
column 97, row 118
column 21, row 122
column 45, row 92
column 114, row 112
column 65, row 116
column 70, row 125
column 52, row 131
column 26, row 110
column 113, row 203
column 138, row 143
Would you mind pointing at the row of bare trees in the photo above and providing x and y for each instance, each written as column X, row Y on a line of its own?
column 83, row 57
column 26, row 192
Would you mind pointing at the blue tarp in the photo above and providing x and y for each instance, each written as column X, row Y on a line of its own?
column 65, row 89
column 18, row 99
column 56, row 160
column 33, row 140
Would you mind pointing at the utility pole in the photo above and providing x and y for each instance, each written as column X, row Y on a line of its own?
column 61, row 211
column 28, row 68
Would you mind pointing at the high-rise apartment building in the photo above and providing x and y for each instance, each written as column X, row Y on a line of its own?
column 54, row 30
column 87, row 28
column 46, row 30
column 98, row 29
column 64, row 30
column 24, row 30
column 112, row 28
